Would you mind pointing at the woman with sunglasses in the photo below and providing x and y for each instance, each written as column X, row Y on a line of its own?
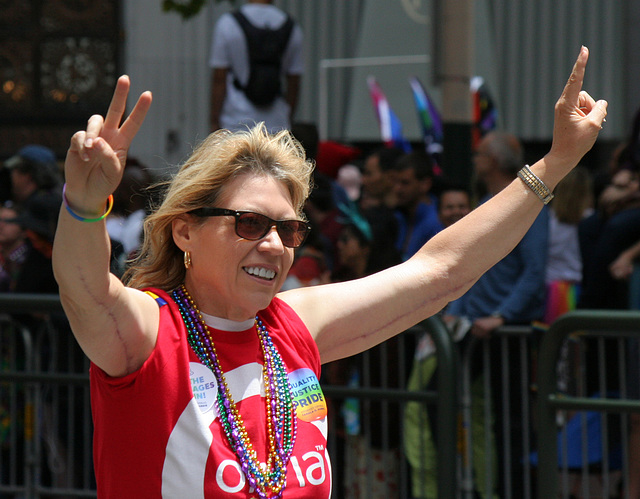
column 204, row 378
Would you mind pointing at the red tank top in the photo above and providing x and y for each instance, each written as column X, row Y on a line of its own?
column 157, row 433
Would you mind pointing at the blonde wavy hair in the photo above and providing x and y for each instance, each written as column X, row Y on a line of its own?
column 199, row 182
column 573, row 196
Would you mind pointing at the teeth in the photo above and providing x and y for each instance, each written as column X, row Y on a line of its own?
column 261, row 272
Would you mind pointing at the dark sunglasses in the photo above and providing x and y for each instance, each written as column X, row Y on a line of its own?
column 254, row 226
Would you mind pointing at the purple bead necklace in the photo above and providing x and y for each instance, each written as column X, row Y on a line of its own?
column 281, row 416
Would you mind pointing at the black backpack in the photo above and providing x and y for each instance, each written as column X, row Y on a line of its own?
column 266, row 48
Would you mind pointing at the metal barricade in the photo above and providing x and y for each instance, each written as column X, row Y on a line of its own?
column 16, row 409
column 599, row 407
column 495, row 404
column 483, row 404
column 504, row 444
column 444, row 399
column 44, row 388
column 46, row 429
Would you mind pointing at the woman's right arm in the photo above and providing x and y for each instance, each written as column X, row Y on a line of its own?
column 115, row 326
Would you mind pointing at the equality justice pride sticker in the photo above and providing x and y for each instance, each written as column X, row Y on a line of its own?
column 308, row 398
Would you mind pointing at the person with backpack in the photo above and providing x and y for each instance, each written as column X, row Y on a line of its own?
column 257, row 64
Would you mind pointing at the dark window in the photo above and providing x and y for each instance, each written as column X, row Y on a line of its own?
column 59, row 60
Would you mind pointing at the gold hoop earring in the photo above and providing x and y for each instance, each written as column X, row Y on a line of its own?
column 187, row 260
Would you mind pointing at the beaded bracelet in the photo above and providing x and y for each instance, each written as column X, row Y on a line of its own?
column 533, row 182
column 83, row 219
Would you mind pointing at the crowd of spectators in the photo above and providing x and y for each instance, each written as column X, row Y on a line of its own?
column 31, row 195
column 554, row 269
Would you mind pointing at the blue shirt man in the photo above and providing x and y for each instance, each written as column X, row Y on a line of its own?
column 514, row 289
column 416, row 212
column 413, row 233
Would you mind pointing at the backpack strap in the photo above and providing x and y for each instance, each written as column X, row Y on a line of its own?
column 252, row 36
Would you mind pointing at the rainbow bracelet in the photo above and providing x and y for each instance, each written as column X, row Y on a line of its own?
column 83, row 219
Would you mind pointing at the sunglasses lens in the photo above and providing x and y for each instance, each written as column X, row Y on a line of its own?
column 292, row 233
column 252, row 226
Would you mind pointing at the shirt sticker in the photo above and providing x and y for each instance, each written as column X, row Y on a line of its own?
column 308, row 398
column 204, row 386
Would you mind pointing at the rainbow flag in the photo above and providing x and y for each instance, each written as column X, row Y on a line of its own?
column 562, row 297
column 390, row 125
column 485, row 114
column 428, row 116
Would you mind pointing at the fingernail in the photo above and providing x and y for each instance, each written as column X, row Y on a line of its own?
column 88, row 143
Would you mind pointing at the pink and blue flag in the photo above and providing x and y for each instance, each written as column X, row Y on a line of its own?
column 390, row 125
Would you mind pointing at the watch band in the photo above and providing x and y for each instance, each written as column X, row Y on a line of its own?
column 533, row 182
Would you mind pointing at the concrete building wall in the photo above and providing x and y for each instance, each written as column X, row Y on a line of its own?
column 524, row 49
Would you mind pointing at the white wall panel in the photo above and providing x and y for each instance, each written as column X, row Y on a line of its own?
column 525, row 48
column 537, row 43
column 168, row 56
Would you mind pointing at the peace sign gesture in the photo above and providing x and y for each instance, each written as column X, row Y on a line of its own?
column 96, row 157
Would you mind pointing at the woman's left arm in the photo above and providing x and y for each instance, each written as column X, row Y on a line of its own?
column 346, row 318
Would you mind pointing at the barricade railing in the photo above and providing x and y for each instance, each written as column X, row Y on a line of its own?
column 45, row 386
column 495, row 401
column 501, row 441
column 45, row 380
column 45, row 448
column 444, row 399
column 484, row 438
column 16, row 447
column 600, row 405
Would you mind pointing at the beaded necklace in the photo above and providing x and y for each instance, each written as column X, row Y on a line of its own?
column 281, row 417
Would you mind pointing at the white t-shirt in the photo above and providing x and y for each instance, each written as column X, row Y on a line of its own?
column 229, row 50
column 564, row 262
column 127, row 230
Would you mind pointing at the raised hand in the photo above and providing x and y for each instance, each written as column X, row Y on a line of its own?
column 96, row 157
column 578, row 117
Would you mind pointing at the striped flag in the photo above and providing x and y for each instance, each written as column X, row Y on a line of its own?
column 390, row 125
column 429, row 119
column 428, row 116
column 485, row 114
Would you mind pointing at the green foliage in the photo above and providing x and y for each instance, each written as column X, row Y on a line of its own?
column 186, row 9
